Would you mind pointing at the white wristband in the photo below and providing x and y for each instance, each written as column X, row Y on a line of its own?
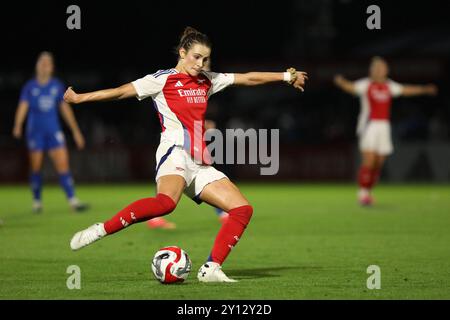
column 287, row 76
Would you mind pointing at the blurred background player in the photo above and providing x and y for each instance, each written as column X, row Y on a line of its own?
column 181, row 97
column 41, row 99
column 374, row 128
column 161, row 223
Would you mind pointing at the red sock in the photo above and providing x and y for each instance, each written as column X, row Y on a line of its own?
column 140, row 210
column 375, row 177
column 230, row 232
column 365, row 177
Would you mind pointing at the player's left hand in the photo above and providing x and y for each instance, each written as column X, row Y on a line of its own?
column 299, row 83
column 298, row 78
column 431, row 89
column 71, row 96
column 17, row 132
column 79, row 140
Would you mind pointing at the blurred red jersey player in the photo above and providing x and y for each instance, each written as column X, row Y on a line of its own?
column 374, row 127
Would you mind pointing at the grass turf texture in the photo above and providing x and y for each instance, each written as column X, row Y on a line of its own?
column 304, row 242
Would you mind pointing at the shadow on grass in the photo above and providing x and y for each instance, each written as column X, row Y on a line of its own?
column 379, row 208
column 18, row 219
column 267, row 272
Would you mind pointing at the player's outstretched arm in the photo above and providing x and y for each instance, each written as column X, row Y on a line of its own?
column 122, row 92
column 417, row 90
column 21, row 114
column 295, row 78
column 344, row 84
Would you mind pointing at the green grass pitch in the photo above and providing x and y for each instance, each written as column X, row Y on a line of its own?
column 304, row 242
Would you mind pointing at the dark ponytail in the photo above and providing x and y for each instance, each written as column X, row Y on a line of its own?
column 190, row 37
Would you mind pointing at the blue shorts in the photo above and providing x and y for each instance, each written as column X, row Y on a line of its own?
column 43, row 141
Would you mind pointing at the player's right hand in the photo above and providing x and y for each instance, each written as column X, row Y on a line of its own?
column 338, row 79
column 209, row 124
column 431, row 89
column 71, row 96
column 17, row 132
column 79, row 140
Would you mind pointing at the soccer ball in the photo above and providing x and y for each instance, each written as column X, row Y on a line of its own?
column 171, row 264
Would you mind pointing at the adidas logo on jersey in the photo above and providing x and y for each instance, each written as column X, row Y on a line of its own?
column 178, row 84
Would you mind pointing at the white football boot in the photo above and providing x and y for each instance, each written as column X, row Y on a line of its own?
column 87, row 236
column 212, row 272
column 37, row 206
column 77, row 206
column 365, row 199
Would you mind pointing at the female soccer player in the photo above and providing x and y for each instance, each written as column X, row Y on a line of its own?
column 374, row 129
column 41, row 98
column 180, row 96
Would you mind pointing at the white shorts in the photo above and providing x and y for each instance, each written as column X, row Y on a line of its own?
column 376, row 137
column 172, row 159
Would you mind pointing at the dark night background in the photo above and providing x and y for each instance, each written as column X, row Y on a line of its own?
column 122, row 41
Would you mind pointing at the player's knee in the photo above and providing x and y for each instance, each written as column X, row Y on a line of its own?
column 248, row 211
column 238, row 202
column 167, row 204
column 244, row 212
